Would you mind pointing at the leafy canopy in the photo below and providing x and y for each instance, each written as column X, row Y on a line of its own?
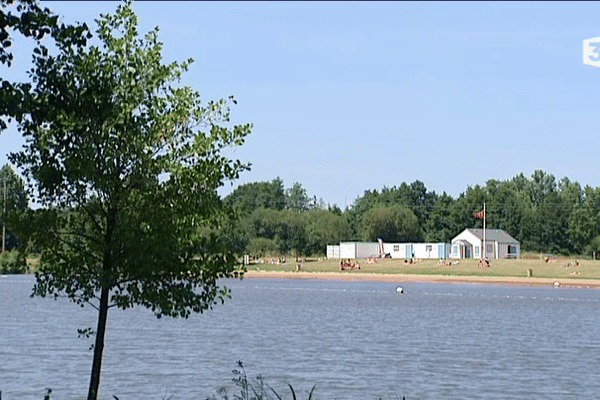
column 126, row 163
column 27, row 18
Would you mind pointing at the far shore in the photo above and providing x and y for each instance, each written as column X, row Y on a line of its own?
column 399, row 278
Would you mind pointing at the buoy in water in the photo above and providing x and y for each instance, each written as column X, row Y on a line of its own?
column 556, row 284
column 399, row 289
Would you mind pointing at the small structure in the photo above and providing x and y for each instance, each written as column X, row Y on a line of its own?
column 418, row 250
column 381, row 249
column 498, row 244
column 359, row 249
column 333, row 251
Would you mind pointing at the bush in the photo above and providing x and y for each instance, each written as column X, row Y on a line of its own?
column 11, row 262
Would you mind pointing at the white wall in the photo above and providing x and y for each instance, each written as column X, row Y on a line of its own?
column 333, row 251
column 469, row 237
column 396, row 250
column 425, row 250
column 348, row 250
column 358, row 249
column 365, row 249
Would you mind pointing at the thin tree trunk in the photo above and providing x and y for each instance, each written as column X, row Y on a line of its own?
column 99, row 345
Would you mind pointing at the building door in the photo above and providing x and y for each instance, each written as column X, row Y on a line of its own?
column 441, row 252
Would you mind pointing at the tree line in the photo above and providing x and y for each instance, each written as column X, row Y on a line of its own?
column 544, row 214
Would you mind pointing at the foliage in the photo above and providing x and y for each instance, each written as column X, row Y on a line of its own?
column 256, row 389
column 323, row 228
column 594, row 246
column 12, row 262
column 126, row 164
column 392, row 224
column 543, row 214
column 296, row 198
column 27, row 18
column 256, row 195
column 16, row 200
column 260, row 246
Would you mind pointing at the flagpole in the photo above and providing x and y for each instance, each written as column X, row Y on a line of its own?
column 484, row 249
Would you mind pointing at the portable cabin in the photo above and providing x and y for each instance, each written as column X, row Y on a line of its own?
column 358, row 249
column 333, row 251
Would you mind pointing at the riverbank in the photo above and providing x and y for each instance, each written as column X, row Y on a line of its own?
column 399, row 278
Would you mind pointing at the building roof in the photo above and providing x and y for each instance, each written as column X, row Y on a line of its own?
column 494, row 235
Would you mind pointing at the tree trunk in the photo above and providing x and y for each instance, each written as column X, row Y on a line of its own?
column 99, row 345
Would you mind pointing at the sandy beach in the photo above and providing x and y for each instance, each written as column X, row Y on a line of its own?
column 424, row 278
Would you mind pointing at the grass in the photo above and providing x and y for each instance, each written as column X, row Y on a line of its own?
column 557, row 268
column 258, row 389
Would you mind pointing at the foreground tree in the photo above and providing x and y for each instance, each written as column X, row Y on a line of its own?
column 27, row 18
column 126, row 165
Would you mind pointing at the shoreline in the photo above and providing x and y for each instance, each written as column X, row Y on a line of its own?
column 502, row 280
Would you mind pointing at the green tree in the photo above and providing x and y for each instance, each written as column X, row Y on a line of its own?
column 262, row 246
column 13, row 197
column 439, row 226
column 255, row 195
column 581, row 229
column 296, row 198
column 392, row 224
column 594, row 246
column 263, row 222
column 135, row 159
column 324, row 227
column 292, row 233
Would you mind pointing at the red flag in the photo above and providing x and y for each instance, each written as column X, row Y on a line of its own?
column 479, row 215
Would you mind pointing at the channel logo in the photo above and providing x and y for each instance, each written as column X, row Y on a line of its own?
column 591, row 51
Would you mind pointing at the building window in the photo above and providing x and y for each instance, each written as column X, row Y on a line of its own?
column 396, row 247
column 476, row 251
column 455, row 250
column 489, row 247
column 512, row 250
column 427, row 247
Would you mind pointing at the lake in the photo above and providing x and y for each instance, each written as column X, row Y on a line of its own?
column 354, row 340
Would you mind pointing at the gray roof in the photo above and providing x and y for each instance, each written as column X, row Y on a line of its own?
column 494, row 235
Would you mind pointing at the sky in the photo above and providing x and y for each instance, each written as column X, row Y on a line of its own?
column 353, row 96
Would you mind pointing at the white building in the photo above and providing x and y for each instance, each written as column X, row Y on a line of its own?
column 333, row 251
column 498, row 244
column 395, row 250
column 358, row 249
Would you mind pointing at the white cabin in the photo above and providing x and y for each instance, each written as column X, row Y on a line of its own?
column 498, row 244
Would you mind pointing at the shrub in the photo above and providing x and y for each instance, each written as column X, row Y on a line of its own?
column 11, row 262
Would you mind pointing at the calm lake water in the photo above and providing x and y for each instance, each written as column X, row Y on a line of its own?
column 355, row 340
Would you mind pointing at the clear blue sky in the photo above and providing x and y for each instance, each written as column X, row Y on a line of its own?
column 350, row 96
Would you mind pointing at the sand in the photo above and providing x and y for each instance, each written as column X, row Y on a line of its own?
column 424, row 278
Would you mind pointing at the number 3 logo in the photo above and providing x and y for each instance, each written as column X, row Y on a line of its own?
column 591, row 51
